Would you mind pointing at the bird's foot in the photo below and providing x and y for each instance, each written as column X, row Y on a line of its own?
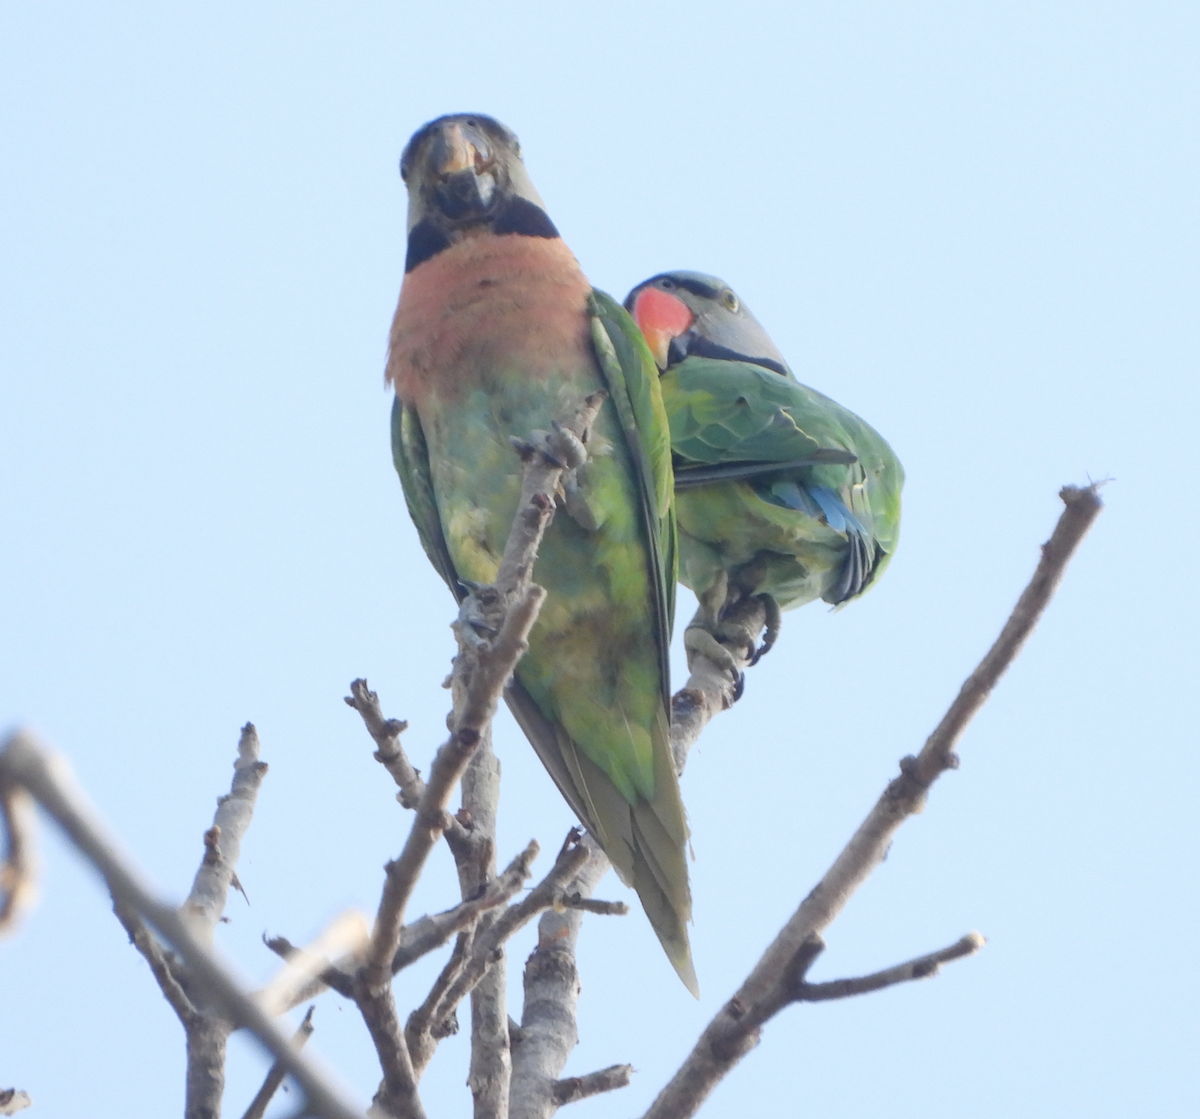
column 699, row 641
column 476, row 624
column 774, row 624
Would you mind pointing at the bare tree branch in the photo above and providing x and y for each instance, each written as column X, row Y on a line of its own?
column 160, row 967
column 575, row 1088
column 923, row 967
column 734, row 1030
column 428, row 933
column 425, row 1028
column 389, row 753
column 277, row 1073
column 223, row 841
column 25, row 761
column 507, row 610
column 548, row 1022
column 594, row 905
column 490, row 1067
column 482, row 690
column 548, row 1030
column 421, row 937
column 18, row 873
column 208, row 1028
column 487, row 950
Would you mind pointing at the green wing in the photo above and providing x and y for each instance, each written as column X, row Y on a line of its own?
column 631, row 378
column 796, row 449
column 411, row 458
column 735, row 415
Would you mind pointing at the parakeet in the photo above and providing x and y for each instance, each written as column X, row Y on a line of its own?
column 498, row 334
column 781, row 492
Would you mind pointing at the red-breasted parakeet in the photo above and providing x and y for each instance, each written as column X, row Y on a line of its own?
column 498, row 334
column 781, row 492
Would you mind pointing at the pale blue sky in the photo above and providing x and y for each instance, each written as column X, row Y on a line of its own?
column 973, row 223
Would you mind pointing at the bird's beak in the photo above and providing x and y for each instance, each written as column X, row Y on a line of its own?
column 456, row 148
column 462, row 169
column 661, row 317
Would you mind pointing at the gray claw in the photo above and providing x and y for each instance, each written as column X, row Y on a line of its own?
column 701, row 642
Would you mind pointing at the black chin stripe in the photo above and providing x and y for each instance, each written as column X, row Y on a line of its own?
column 516, row 215
column 519, row 215
column 426, row 240
column 702, row 347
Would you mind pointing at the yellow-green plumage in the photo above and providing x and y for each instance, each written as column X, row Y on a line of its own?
column 781, row 492
column 498, row 335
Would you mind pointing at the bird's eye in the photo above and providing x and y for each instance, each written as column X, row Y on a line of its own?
column 730, row 300
column 666, row 285
column 403, row 173
column 472, row 122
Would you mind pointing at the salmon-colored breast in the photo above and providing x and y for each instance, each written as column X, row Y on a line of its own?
column 481, row 303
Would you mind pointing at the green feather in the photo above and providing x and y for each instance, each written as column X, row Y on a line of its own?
column 741, row 433
column 600, row 724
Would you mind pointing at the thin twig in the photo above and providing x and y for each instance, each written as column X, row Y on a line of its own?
column 487, row 947
column 509, row 609
column 923, row 967
column 734, row 1030
column 389, row 753
column 160, row 967
column 18, row 873
column 26, row 761
column 223, row 841
column 277, row 1073
column 419, row 938
column 575, row 1088
column 473, row 960
column 594, row 905
column 423, row 936
column 425, row 1028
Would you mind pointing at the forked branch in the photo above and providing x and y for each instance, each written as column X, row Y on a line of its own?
column 734, row 1030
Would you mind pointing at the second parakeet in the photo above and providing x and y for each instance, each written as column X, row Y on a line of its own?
column 781, row 492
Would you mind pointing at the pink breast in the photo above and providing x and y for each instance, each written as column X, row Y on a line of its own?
column 488, row 301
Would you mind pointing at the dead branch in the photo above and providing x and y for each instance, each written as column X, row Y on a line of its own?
column 735, row 1029
column 575, row 1088
column 490, row 1066
column 418, row 939
column 18, row 871
column 389, row 753
column 923, row 967
column 476, row 957
column 428, row 933
column 487, row 950
column 548, row 1031
column 163, row 970
column 223, row 841
column 492, row 629
column 25, row 761
column 594, row 905
column 548, row 1021
column 277, row 1073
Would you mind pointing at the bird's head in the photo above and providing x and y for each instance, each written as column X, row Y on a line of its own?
column 691, row 313
column 464, row 174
